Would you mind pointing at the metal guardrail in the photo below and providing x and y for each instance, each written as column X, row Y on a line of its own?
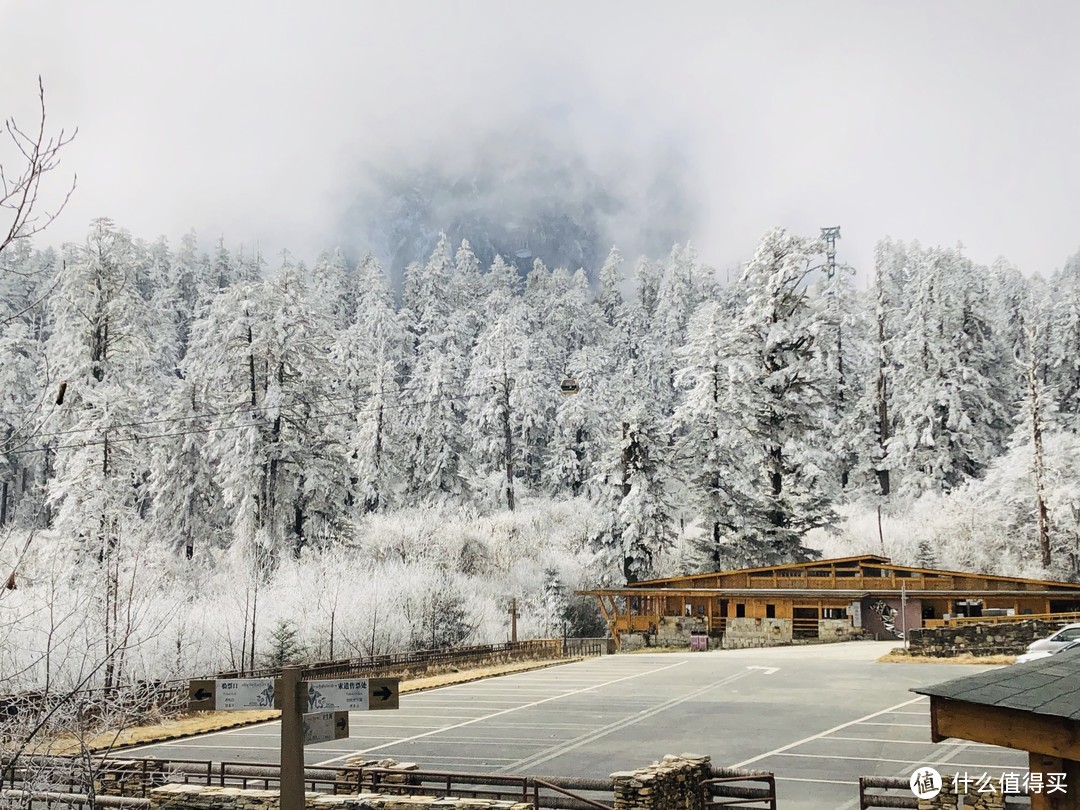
column 1051, row 618
column 728, row 788
column 171, row 696
column 148, row 773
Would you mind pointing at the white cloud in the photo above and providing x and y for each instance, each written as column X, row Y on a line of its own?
column 921, row 120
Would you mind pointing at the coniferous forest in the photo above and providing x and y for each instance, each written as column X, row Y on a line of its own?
column 203, row 454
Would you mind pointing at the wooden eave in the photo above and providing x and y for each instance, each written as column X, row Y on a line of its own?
column 854, row 593
column 872, row 560
column 1007, row 727
column 783, row 567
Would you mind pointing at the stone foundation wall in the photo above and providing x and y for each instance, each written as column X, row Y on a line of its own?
column 674, row 783
column 201, row 797
column 1002, row 638
column 837, row 630
column 675, row 631
column 742, row 633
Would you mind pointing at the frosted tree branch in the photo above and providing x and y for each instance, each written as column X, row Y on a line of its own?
column 20, row 186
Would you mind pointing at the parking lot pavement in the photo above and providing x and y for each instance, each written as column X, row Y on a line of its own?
column 818, row 716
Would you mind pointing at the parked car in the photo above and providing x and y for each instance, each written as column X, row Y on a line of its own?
column 1066, row 638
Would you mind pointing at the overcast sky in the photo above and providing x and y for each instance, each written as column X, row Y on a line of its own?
column 939, row 121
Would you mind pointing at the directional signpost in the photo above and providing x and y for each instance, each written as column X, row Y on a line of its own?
column 327, row 705
column 201, row 696
column 353, row 694
column 231, row 694
column 322, row 727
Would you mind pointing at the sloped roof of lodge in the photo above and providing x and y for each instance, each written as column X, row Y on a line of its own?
column 878, row 561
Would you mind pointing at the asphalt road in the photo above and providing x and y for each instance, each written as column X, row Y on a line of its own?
column 818, row 716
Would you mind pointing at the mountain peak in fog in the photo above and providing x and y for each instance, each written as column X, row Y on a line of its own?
column 524, row 196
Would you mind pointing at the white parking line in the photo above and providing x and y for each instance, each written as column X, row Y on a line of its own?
column 479, row 742
column 406, row 755
column 897, row 761
column 507, row 711
column 890, row 742
column 898, row 725
column 618, row 725
column 821, row 734
column 406, row 714
column 189, row 739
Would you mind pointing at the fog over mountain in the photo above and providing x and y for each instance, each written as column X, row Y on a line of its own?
column 525, row 194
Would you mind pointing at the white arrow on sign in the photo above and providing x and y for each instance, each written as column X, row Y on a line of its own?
column 244, row 693
column 767, row 670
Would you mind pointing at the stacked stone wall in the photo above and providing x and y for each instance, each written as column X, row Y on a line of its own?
column 674, row 783
column 837, row 630
column 991, row 638
column 129, row 778
column 991, row 798
column 675, row 631
column 743, row 633
column 354, row 772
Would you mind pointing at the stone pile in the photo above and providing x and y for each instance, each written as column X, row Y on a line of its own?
column 973, row 799
column 350, row 778
column 998, row 638
column 674, row 783
column 125, row 777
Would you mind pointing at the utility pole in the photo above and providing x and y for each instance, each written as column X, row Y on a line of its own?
column 903, row 612
column 830, row 235
column 513, row 621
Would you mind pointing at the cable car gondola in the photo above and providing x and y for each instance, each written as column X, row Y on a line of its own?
column 569, row 385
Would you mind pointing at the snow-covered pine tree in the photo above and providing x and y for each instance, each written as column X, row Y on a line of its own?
column 101, row 345
column 332, row 289
column 1063, row 333
column 949, row 399
column 26, row 391
column 500, row 366
column 260, row 360
column 610, row 298
column 846, row 357
column 774, row 393
column 635, row 495
column 705, row 447
column 369, row 360
column 187, row 511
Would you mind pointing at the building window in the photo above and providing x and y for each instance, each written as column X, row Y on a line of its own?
column 770, row 611
column 740, row 611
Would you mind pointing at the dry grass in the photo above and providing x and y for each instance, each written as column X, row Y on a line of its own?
column 899, row 656
column 203, row 722
column 182, row 726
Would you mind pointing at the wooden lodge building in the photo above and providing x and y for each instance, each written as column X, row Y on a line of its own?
column 824, row 600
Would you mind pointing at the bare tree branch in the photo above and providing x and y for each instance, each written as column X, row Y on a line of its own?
column 19, row 191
